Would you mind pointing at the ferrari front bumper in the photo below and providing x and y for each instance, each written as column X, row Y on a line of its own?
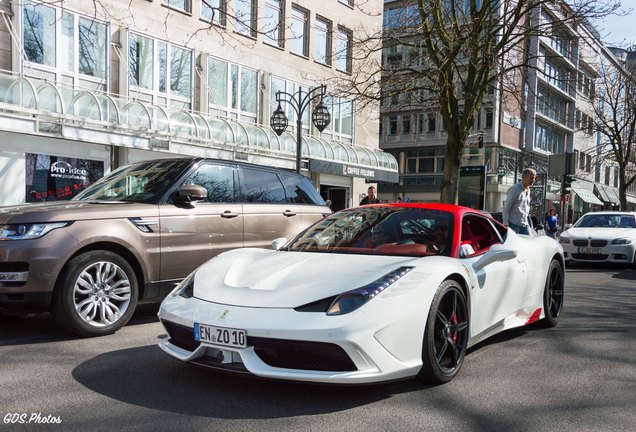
column 290, row 345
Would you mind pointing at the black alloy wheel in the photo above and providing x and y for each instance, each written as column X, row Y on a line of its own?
column 446, row 335
column 553, row 294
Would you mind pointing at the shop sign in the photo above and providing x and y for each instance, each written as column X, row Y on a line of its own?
column 350, row 170
column 52, row 178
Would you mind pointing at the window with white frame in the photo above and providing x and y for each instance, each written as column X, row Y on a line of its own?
column 299, row 25
column 182, row 5
column 213, row 11
column 406, row 124
column 322, row 41
column 426, row 123
column 347, row 2
column 341, row 126
column 159, row 71
column 552, row 106
column 393, row 125
column 64, row 46
column 549, row 139
column 616, row 176
column 425, row 161
column 245, row 14
column 273, row 22
column 553, row 71
column 233, row 90
column 343, row 49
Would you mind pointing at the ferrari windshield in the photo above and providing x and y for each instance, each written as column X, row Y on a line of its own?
column 606, row 221
column 144, row 182
column 384, row 230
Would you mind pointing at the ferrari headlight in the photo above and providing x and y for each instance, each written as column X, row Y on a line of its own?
column 564, row 240
column 352, row 300
column 622, row 241
column 185, row 288
column 28, row 231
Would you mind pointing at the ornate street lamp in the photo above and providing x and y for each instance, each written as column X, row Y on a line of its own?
column 299, row 102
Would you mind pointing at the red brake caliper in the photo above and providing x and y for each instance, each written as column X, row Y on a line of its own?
column 454, row 321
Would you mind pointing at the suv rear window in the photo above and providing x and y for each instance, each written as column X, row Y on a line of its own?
column 259, row 186
column 300, row 190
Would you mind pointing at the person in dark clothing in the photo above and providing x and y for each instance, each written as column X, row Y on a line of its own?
column 370, row 198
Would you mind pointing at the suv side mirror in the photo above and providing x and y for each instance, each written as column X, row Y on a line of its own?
column 189, row 193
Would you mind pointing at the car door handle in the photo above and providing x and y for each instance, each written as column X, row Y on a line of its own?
column 228, row 214
column 289, row 213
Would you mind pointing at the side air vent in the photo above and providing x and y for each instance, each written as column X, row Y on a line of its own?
column 146, row 225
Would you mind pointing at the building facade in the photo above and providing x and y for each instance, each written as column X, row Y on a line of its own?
column 89, row 86
column 547, row 111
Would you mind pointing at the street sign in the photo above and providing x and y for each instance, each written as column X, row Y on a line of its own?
column 558, row 164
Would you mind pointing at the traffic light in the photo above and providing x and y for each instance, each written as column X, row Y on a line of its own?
column 566, row 186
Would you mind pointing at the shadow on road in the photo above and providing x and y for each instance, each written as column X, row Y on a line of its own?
column 147, row 377
column 621, row 271
column 42, row 328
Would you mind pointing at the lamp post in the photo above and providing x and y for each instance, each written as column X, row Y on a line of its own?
column 299, row 102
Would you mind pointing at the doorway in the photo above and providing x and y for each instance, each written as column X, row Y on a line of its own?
column 337, row 195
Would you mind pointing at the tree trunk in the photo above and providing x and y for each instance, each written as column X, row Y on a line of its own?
column 449, row 190
column 622, row 190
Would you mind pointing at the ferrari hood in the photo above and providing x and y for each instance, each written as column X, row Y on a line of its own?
column 268, row 278
column 600, row 233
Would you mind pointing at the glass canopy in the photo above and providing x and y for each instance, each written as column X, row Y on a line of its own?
column 97, row 110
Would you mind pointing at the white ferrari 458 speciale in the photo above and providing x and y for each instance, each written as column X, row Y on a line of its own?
column 368, row 294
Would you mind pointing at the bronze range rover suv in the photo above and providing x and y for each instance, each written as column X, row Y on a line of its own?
column 133, row 235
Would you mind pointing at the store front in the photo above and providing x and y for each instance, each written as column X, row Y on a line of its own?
column 105, row 132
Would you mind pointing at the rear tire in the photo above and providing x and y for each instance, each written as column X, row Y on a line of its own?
column 553, row 294
column 96, row 294
column 446, row 334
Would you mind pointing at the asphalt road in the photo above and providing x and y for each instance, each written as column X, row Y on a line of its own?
column 578, row 376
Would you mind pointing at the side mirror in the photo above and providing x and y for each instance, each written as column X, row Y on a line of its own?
column 567, row 227
column 497, row 252
column 189, row 193
column 328, row 203
column 538, row 227
column 278, row 243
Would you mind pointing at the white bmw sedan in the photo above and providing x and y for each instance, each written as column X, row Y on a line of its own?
column 607, row 236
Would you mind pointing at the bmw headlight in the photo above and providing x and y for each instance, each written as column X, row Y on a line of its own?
column 564, row 240
column 185, row 288
column 620, row 241
column 28, row 231
column 352, row 300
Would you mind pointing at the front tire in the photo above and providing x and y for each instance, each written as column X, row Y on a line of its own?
column 96, row 294
column 553, row 294
column 446, row 334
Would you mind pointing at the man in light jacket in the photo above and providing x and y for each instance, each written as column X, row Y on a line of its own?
column 517, row 206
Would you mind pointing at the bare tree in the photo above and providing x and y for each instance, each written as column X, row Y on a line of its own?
column 457, row 50
column 615, row 112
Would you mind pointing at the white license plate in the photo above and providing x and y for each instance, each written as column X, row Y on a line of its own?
column 589, row 250
column 220, row 335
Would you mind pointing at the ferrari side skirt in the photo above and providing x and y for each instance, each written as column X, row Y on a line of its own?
column 516, row 319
